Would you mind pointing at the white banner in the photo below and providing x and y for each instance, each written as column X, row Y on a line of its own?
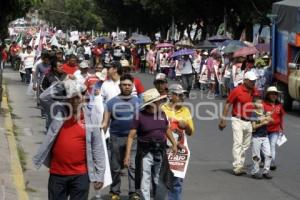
column 107, row 175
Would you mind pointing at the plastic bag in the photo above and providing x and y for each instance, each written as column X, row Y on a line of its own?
column 281, row 139
column 30, row 91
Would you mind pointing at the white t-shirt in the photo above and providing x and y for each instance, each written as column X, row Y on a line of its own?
column 185, row 66
column 87, row 50
column 109, row 90
column 39, row 61
column 28, row 59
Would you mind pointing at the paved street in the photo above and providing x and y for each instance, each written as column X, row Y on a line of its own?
column 209, row 174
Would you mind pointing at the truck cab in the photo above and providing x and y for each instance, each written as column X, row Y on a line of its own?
column 286, row 50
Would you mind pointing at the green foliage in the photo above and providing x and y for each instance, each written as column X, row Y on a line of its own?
column 75, row 14
column 12, row 9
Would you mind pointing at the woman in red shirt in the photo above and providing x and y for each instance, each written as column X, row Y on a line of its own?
column 273, row 106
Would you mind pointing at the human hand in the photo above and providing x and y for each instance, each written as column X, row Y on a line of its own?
column 222, row 124
column 126, row 161
column 182, row 124
column 98, row 185
column 71, row 77
column 174, row 149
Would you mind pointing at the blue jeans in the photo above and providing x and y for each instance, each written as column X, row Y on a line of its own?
column 176, row 194
column 273, row 137
column 151, row 165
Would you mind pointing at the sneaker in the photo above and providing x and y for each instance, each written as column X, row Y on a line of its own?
column 256, row 176
column 134, row 196
column 115, row 197
column 267, row 176
column 261, row 164
column 239, row 172
column 273, row 168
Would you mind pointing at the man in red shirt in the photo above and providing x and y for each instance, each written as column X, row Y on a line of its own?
column 241, row 101
column 72, row 148
column 71, row 66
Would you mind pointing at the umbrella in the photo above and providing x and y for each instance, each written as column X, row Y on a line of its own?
column 263, row 47
column 205, row 45
column 231, row 48
column 183, row 52
column 218, row 38
column 164, row 45
column 102, row 40
column 245, row 51
column 140, row 39
column 185, row 43
column 249, row 44
column 145, row 40
column 136, row 36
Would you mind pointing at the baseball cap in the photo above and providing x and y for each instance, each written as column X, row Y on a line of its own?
column 176, row 88
column 160, row 77
column 273, row 89
column 84, row 65
column 250, row 75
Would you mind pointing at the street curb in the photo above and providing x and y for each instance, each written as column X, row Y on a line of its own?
column 16, row 169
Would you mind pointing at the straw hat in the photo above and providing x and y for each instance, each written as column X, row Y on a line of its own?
column 125, row 63
column 101, row 75
column 150, row 96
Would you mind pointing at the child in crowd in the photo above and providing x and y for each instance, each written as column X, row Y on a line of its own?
column 260, row 140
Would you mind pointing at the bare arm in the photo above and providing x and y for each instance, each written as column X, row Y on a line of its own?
column 106, row 120
column 173, row 141
column 263, row 121
column 131, row 136
column 226, row 108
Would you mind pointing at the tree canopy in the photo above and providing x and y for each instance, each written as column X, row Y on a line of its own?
column 148, row 16
column 12, row 9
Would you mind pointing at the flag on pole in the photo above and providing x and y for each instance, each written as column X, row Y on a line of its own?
column 38, row 38
column 19, row 39
column 31, row 42
column 54, row 41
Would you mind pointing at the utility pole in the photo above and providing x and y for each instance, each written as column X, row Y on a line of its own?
column 173, row 29
column 225, row 20
column 1, row 87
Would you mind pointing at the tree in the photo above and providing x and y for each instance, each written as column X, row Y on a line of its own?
column 11, row 10
column 76, row 14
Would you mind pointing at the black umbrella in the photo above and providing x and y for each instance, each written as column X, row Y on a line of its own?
column 218, row 38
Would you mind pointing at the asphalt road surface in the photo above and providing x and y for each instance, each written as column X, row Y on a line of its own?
column 209, row 174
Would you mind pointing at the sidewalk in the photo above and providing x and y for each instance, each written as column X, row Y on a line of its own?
column 7, row 188
column 31, row 131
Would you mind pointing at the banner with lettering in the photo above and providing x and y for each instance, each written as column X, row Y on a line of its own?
column 179, row 162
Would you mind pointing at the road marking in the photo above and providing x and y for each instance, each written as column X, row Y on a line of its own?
column 16, row 169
